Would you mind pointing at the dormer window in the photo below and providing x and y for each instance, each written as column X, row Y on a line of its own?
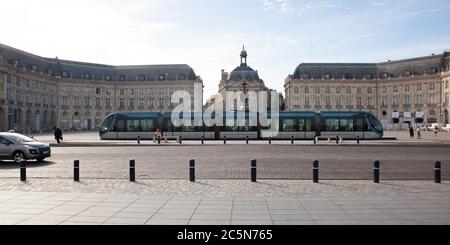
column 347, row 76
column 33, row 67
column 306, row 76
column 142, row 78
column 108, row 78
column 162, row 77
column 86, row 76
column 434, row 70
column 384, row 75
column 369, row 76
column 15, row 63
column 408, row 73
column 122, row 78
column 64, row 74
column 327, row 76
column 182, row 77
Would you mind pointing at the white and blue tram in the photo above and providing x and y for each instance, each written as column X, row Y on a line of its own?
column 300, row 125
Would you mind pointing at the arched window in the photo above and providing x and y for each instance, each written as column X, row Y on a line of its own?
column 162, row 77
column 122, row 78
column 369, row 90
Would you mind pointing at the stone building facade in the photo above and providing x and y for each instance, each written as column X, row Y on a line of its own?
column 400, row 92
column 39, row 93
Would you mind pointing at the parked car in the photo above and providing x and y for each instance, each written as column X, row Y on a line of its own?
column 19, row 147
column 446, row 128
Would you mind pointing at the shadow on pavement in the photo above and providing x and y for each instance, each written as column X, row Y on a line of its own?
column 30, row 164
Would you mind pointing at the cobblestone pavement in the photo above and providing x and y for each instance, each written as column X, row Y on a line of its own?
column 233, row 161
column 224, row 202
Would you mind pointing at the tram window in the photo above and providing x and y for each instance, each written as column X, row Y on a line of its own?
column 375, row 124
column 133, row 126
column 359, row 124
column 288, row 125
column 107, row 124
column 346, row 125
column 310, row 126
column 121, row 125
column 147, row 125
column 331, row 125
column 301, row 125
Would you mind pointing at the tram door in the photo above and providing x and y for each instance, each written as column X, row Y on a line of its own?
column 217, row 132
column 318, row 124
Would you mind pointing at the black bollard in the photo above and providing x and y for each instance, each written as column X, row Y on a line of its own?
column 292, row 140
column 247, row 140
column 224, row 140
column 203, row 140
column 270, row 141
column 337, row 140
column 316, row 171
column 315, row 140
column 159, row 140
column 181, row 140
column 192, row 170
column 376, row 172
column 23, row 170
column 132, row 170
column 437, row 173
column 253, row 170
column 76, row 170
column 139, row 140
column 357, row 139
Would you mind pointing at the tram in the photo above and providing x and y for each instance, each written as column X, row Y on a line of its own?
column 237, row 125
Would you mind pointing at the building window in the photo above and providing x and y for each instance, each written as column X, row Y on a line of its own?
column 369, row 90
column 447, row 98
column 97, row 91
column 432, row 86
column 306, row 90
column 349, row 101
column 370, row 101
column 121, row 103
column 307, row 102
column 317, row 90
column 87, row 101
column 395, row 100
column 395, row 89
column 384, row 90
column 407, row 88
column 338, row 90
column 161, row 103
column 328, row 100
column 65, row 101
column 349, row 90
column 162, row 77
column 131, row 91
column 419, row 87
column 97, row 102
column 432, row 99
column 383, row 101
column 296, row 90
column 338, row 102
column 328, row 90
column 131, row 103
column 407, row 99
column 122, row 92
column 419, row 99
column 446, row 84
column 317, row 101
column 359, row 101
column 142, row 78
column 122, row 78
column 359, row 91
column 108, row 102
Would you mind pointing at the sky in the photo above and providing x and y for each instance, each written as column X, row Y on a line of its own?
column 208, row 35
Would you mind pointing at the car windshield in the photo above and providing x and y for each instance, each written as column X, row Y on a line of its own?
column 17, row 138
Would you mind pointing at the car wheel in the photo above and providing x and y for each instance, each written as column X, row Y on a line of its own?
column 40, row 159
column 19, row 157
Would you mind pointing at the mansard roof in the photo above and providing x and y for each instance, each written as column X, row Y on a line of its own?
column 83, row 70
column 417, row 66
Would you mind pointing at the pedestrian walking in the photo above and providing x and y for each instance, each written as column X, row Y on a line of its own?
column 435, row 131
column 411, row 132
column 419, row 133
column 58, row 134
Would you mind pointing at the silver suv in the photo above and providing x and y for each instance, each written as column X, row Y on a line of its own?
column 20, row 147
